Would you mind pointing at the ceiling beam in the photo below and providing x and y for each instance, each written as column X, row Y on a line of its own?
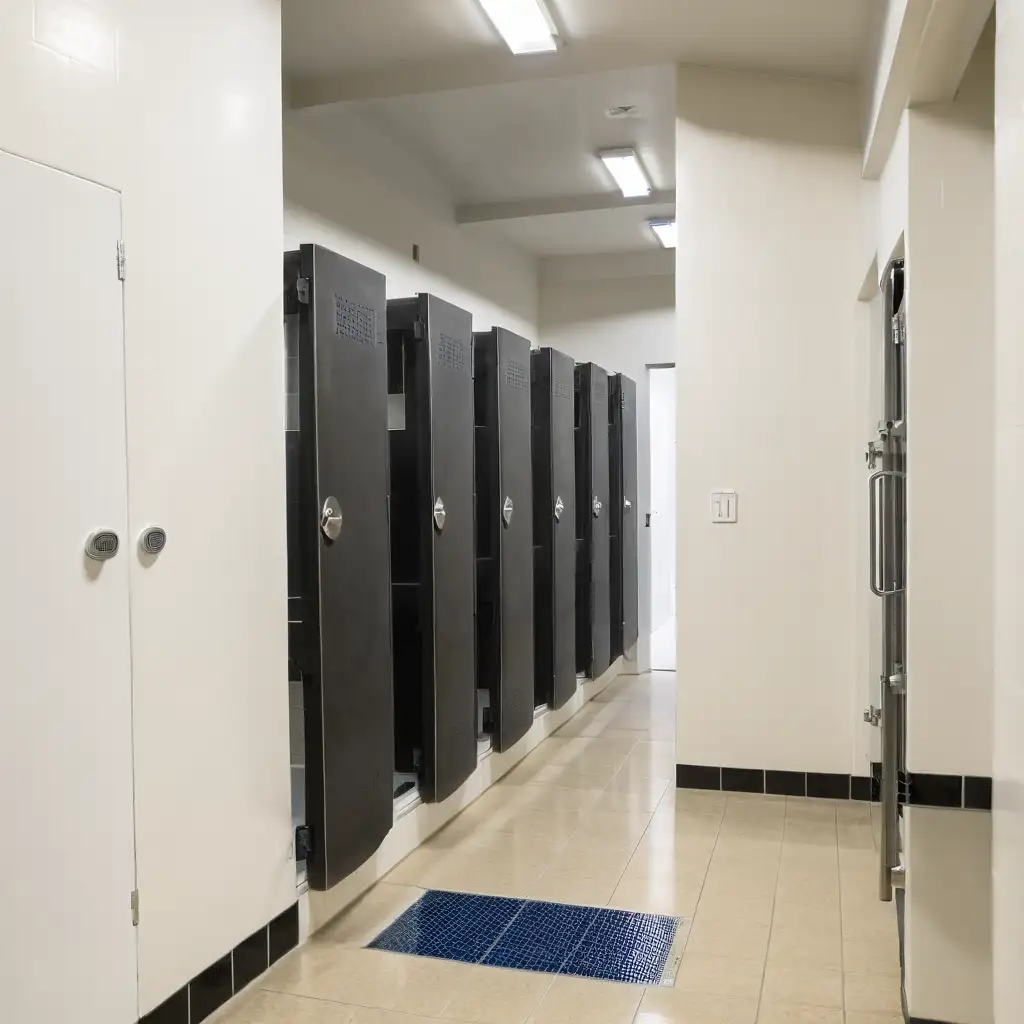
column 926, row 47
column 950, row 37
column 497, row 67
column 477, row 213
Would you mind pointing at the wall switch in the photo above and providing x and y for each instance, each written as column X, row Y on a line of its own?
column 723, row 506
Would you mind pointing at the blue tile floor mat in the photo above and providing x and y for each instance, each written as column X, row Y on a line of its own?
column 528, row 935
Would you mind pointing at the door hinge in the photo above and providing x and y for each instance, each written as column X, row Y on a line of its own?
column 302, row 290
column 135, row 908
column 120, row 260
column 419, row 331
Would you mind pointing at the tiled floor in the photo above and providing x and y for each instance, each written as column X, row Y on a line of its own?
column 786, row 930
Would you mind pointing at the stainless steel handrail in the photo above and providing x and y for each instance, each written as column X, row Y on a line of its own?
column 877, row 585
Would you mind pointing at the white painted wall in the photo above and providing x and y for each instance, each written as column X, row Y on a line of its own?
column 950, row 399
column 769, row 204
column 347, row 208
column 621, row 323
column 178, row 108
column 1008, row 817
column 662, row 385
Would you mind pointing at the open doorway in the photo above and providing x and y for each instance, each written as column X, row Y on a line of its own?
column 661, row 518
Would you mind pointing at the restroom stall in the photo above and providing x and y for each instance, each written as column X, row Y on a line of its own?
column 593, row 557
column 887, row 546
column 339, row 589
column 554, row 525
column 622, row 525
column 433, row 558
column 504, row 537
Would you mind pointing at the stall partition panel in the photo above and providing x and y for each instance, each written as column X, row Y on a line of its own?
column 433, row 545
column 628, row 531
column 615, row 514
column 505, row 516
column 554, row 526
column 593, row 605
column 340, row 604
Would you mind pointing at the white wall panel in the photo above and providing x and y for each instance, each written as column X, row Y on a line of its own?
column 186, row 124
column 1008, row 817
column 769, row 205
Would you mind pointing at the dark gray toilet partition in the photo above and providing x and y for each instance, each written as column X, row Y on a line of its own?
column 504, row 506
column 338, row 556
column 554, row 526
column 623, row 513
column 593, row 609
column 430, row 356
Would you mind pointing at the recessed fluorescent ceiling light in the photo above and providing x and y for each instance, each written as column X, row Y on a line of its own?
column 525, row 25
column 624, row 167
column 665, row 232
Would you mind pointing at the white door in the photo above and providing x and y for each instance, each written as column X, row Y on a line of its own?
column 663, row 517
column 67, row 859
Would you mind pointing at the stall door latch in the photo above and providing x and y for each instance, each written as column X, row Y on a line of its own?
column 506, row 512
column 559, row 508
column 439, row 514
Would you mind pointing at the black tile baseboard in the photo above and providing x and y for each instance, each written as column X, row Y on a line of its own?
column 970, row 792
column 212, row 988
column 776, row 783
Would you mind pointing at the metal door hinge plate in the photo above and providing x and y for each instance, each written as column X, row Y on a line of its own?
column 135, row 908
column 302, row 290
column 120, row 260
column 506, row 512
column 873, row 715
column 303, row 842
column 559, row 508
column 419, row 330
column 439, row 514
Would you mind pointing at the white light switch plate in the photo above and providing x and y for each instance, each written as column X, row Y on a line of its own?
column 723, row 506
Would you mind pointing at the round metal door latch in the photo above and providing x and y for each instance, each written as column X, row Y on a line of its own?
column 330, row 518
column 559, row 508
column 506, row 512
column 439, row 514
column 153, row 540
column 627, row 504
column 597, row 506
column 102, row 545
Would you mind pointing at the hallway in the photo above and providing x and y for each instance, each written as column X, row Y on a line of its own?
column 780, row 891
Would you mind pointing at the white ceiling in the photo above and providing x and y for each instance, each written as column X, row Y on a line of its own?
column 433, row 77
column 816, row 38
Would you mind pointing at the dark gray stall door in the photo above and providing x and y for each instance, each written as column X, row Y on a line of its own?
column 592, row 487
column 340, row 507
column 630, row 584
column 516, row 547
column 554, row 518
column 450, row 746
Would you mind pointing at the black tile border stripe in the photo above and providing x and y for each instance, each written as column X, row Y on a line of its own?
column 967, row 792
column 212, row 988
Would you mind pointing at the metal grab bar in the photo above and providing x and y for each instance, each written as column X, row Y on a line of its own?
column 877, row 556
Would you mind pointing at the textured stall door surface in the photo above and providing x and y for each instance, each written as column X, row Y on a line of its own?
column 66, row 728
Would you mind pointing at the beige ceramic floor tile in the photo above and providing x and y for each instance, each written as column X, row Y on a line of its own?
column 367, row 977
column 581, row 1001
column 370, row 914
column 725, row 906
column 798, row 916
column 730, row 938
column 874, row 1018
column 782, row 1013
column 672, row 1006
column 260, row 1007
column 803, row 986
column 572, row 887
column 812, row 945
column 368, row 1015
column 490, row 995
column 872, row 993
column 877, row 956
column 730, row 976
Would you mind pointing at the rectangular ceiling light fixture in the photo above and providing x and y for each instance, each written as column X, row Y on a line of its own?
column 525, row 25
column 664, row 231
column 625, row 167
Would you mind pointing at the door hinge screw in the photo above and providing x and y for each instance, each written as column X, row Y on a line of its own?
column 135, row 907
column 120, row 260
